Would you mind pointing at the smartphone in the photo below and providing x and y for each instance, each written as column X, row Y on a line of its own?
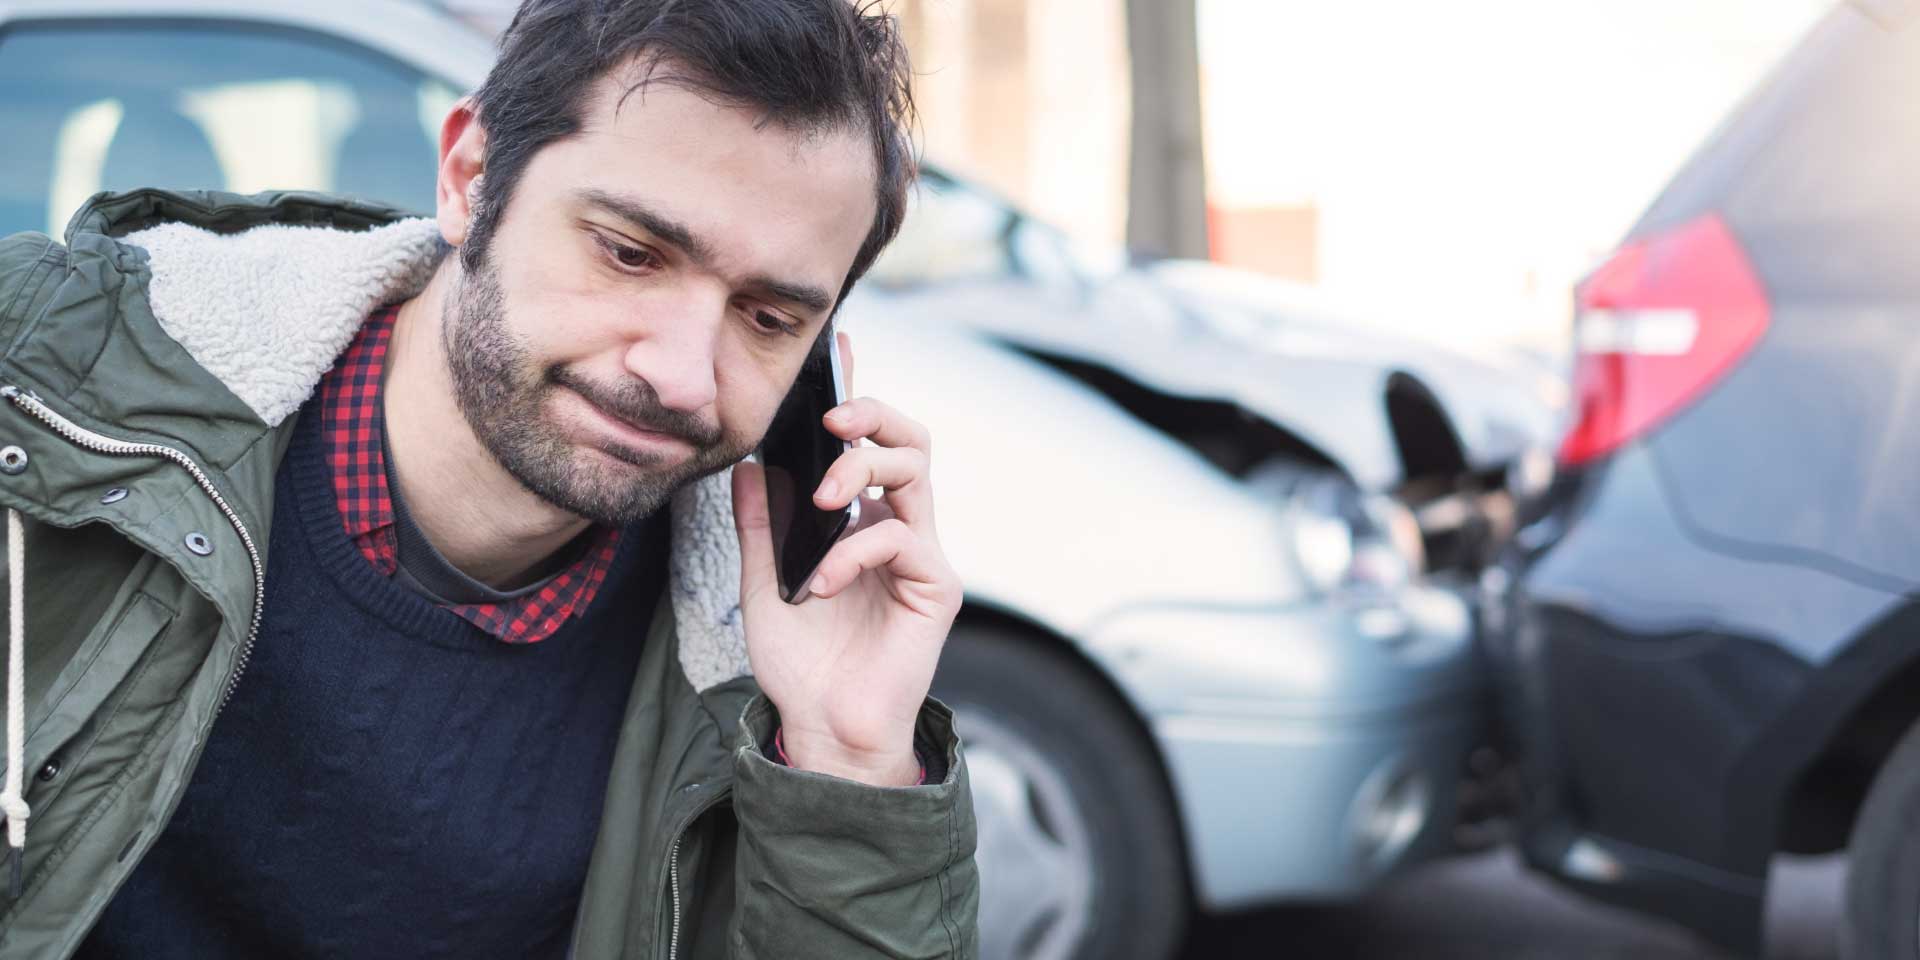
column 794, row 456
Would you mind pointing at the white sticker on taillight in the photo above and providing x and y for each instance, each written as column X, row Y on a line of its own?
column 1641, row 333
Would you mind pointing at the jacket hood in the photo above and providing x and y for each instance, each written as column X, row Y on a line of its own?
column 265, row 292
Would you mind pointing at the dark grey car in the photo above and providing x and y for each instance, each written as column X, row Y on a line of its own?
column 1712, row 649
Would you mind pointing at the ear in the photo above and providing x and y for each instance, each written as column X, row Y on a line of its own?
column 463, row 151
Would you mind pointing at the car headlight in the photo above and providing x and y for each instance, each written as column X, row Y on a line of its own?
column 1323, row 547
column 1343, row 539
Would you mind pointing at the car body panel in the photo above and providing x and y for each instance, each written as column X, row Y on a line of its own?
column 1104, row 511
column 1275, row 736
column 1664, row 695
column 1285, row 809
column 1839, row 385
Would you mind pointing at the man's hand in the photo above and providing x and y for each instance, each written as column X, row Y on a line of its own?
column 849, row 667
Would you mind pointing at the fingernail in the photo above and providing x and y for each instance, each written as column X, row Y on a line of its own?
column 829, row 488
column 819, row 586
column 837, row 414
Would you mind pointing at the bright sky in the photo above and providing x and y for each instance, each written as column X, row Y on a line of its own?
column 1471, row 160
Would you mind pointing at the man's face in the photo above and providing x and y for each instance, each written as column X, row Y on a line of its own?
column 649, row 294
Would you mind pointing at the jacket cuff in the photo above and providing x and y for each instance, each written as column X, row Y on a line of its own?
column 777, row 752
column 935, row 745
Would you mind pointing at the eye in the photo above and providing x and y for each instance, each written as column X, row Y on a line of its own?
column 630, row 257
column 772, row 323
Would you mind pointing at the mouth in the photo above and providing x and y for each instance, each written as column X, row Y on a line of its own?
column 626, row 434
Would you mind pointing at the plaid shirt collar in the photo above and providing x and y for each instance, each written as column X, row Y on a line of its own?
column 351, row 420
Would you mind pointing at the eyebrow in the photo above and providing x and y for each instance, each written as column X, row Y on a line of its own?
column 676, row 234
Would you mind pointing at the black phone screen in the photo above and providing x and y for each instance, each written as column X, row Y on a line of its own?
column 795, row 455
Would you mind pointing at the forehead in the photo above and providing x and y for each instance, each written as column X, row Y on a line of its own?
column 766, row 197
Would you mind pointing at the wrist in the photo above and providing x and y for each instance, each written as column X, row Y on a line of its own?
column 876, row 767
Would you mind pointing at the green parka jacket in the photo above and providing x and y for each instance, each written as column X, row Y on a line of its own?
column 153, row 365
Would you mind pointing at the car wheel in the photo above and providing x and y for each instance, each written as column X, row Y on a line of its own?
column 1883, row 870
column 1079, row 851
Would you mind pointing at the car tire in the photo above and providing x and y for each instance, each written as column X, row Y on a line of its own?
column 1883, row 870
column 1080, row 854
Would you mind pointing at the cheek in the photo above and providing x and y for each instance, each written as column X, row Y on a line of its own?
column 557, row 324
column 750, row 389
column 556, row 302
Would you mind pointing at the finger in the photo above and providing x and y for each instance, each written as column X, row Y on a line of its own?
column 846, row 361
column 751, row 521
column 891, row 545
column 901, row 471
column 876, row 421
column 873, row 511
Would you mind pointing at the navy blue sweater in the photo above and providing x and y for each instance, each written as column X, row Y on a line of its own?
column 389, row 780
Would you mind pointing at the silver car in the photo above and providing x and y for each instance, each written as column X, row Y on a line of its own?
column 1219, row 546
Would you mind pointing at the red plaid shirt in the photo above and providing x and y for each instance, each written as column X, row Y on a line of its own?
column 351, row 419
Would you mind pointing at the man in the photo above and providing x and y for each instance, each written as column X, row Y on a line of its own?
column 442, row 541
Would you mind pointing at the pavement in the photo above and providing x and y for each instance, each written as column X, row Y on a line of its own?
column 1487, row 907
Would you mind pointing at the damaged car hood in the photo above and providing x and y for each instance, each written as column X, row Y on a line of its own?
column 1204, row 332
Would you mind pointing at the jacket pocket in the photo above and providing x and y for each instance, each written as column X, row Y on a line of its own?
column 77, row 698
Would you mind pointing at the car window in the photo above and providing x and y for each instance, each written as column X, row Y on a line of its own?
column 950, row 233
column 206, row 105
column 955, row 231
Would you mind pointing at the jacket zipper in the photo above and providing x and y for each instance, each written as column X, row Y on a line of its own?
column 673, row 877
column 673, row 867
column 87, row 439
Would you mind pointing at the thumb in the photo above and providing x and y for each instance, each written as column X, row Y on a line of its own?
column 751, row 522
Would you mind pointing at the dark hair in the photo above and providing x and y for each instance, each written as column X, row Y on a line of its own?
column 807, row 65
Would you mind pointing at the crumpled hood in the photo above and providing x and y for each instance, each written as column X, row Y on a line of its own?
column 1501, row 403
column 1288, row 359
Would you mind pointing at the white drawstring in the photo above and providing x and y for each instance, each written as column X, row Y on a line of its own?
column 11, row 802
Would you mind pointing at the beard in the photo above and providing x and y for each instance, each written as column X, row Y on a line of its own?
column 504, row 393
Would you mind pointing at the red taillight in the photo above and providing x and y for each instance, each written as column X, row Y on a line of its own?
column 1656, row 326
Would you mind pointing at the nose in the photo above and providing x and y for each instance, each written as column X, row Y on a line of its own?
column 676, row 355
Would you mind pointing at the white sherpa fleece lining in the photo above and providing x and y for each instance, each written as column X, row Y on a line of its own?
column 267, row 311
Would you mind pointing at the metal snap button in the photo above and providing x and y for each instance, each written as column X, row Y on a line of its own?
column 13, row 460
column 199, row 544
column 115, row 495
column 51, row 770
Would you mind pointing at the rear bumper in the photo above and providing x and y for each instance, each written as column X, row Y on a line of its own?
column 1637, row 681
column 1313, row 750
column 1601, row 812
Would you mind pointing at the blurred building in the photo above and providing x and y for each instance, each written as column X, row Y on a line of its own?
column 1031, row 99
column 1282, row 240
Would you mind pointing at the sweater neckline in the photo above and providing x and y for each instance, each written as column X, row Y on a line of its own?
column 405, row 610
